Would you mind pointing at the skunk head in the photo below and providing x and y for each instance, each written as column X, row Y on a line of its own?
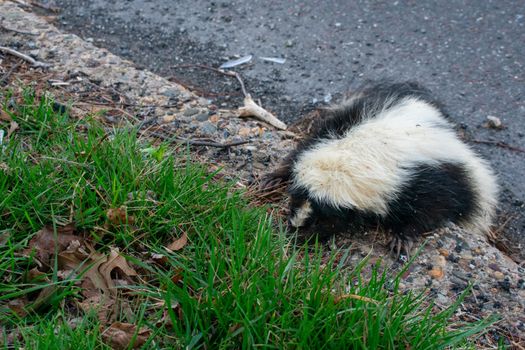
column 301, row 213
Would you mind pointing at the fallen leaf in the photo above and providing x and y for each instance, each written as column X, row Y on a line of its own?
column 5, row 116
column 177, row 277
column 45, row 243
column 4, row 237
column 123, row 335
column 179, row 243
column 102, row 305
column 12, row 128
column 115, row 261
column 119, row 215
column 18, row 306
column 159, row 259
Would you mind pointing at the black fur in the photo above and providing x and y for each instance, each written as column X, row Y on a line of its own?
column 336, row 122
column 435, row 195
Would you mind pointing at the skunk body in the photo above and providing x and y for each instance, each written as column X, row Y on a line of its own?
column 388, row 157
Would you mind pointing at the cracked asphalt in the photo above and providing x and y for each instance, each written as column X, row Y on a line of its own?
column 470, row 53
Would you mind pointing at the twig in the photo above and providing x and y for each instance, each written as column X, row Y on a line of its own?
column 198, row 142
column 17, row 31
column 217, row 70
column 31, row 60
column 499, row 144
column 44, row 6
column 250, row 108
column 145, row 122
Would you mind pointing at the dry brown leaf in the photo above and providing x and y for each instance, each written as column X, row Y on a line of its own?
column 44, row 297
column 118, row 216
column 159, row 259
column 166, row 319
column 12, row 128
column 35, row 273
column 94, row 283
column 116, row 261
column 5, row 116
column 18, row 306
column 4, row 237
column 177, row 277
column 102, row 305
column 179, row 243
column 45, row 242
column 120, row 335
column 72, row 257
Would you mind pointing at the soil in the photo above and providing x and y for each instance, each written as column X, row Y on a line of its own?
column 470, row 54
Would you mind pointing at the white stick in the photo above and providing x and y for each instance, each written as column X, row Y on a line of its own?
column 31, row 60
column 252, row 109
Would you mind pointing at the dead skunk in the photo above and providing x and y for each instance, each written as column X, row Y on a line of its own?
column 388, row 157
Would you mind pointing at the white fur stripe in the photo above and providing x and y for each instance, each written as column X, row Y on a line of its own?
column 368, row 166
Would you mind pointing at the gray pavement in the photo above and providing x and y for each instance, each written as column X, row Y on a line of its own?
column 470, row 53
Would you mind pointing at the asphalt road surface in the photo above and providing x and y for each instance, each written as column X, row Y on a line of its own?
column 470, row 53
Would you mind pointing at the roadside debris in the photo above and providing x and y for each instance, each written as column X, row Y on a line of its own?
column 25, row 57
column 274, row 59
column 493, row 122
column 252, row 109
column 237, row 62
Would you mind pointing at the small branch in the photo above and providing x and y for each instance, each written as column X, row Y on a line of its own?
column 198, row 142
column 252, row 109
column 31, row 60
column 145, row 122
column 500, row 144
column 17, row 31
column 45, row 6
column 237, row 75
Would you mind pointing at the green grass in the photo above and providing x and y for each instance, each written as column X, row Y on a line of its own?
column 238, row 283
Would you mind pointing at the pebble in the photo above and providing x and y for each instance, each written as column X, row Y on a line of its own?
column 168, row 118
column 494, row 122
column 208, row 128
column 436, row 273
column 170, row 92
column 202, row 117
column 191, row 111
column 498, row 275
column 443, row 252
column 439, row 260
column 244, row 132
column 214, row 118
